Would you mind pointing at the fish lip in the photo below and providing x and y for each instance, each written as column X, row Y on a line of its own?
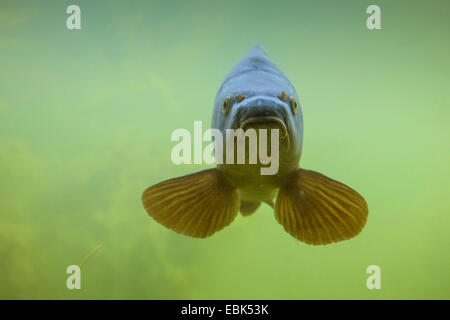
column 258, row 119
column 246, row 122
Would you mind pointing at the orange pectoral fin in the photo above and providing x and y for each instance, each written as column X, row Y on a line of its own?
column 318, row 210
column 197, row 205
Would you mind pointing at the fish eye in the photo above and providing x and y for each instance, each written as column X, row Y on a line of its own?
column 294, row 105
column 226, row 104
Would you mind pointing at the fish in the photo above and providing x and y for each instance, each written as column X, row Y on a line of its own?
column 310, row 206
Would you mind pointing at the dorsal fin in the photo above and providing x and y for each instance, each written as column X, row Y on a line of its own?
column 255, row 59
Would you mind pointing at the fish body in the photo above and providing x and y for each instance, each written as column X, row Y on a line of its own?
column 313, row 208
column 260, row 82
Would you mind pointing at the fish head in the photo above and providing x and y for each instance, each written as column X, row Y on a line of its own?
column 257, row 95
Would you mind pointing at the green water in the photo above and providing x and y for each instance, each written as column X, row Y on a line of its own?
column 85, row 123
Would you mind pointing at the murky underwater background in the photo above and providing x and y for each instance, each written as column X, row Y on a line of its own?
column 85, row 124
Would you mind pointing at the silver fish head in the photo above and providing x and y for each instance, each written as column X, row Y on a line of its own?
column 256, row 94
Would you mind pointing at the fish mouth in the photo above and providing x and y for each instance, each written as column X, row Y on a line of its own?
column 267, row 122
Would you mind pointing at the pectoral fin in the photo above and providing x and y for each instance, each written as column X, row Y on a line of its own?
column 197, row 205
column 318, row 210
